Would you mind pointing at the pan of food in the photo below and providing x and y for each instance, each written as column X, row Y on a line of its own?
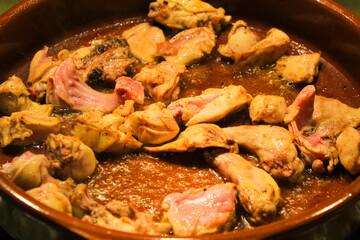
column 179, row 119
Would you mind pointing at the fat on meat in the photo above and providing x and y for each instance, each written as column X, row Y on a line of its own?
column 211, row 106
column 188, row 46
column 188, row 14
column 274, row 147
column 258, row 192
column 199, row 211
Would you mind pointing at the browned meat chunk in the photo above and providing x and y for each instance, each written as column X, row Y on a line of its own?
column 273, row 145
column 348, row 146
column 26, row 128
column 188, row 14
column 65, row 89
column 27, row 171
column 199, row 211
column 143, row 40
column 162, row 80
column 188, row 46
column 299, row 68
column 14, row 97
column 69, row 157
column 268, row 108
column 154, row 125
column 100, row 132
column 259, row 194
column 211, row 106
column 41, row 68
column 203, row 135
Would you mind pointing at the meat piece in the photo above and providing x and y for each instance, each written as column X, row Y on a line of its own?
column 26, row 128
column 317, row 150
column 348, row 146
column 41, row 68
column 81, row 201
column 259, row 194
column 240, row 38
column 199, row 211
column 65, row 89
column 188, row 46
column 50, row 195
column 143, row 40
column 69, row 157
column 266, row 51
column 100, row 132
column 162, row 80
column 268, row 108
column 188, row 14
column 273, row 145
column 298, row 68
column 27, row 171
column 203, row 135
column 15, row 97
column 154, row 125
column 211, row 106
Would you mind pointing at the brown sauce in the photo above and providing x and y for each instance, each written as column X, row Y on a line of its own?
column 144, row 179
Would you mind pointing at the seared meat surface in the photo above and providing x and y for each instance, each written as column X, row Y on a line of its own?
column 348, row 145
column 268, row 108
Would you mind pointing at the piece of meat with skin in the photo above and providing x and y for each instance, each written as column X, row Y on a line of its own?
column 268, row 108
column 69, row 157
column 161, row 81
column 211, row 106
column 81, row 201
column 153, row 125
column 240, row 38
column 66, row 90
column 188, row 46
column 15, row 97
column 27, row 171
column 348, row 146
column 266, row 51
column 258, row 192
column 100, row 132
column 42, row 67
column 26, row 128
column 274, row 147
column 199, row 211
column 143, row 40
column 317, row 151
column 188, row 14
column 298, row 68
column 203, row 135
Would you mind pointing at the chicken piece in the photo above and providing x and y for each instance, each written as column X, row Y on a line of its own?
column 316, row 149
column 143, row 40
column 298, row 68
column 240, row 38
column 268, row 108
column 348, row 146
column 69, row 157
column 211, row 106
column 27, row 171
column 81, row 201
column 41, row 68
column 273, row 145
column 259, row 194
column 26, row 128
column 203, row 135
column 188, row 46
column 263, row 52
column 162, row 80
column 154, row 125
column 50, row 195
column 199, row 211
column 15, row 97
column 188, row 14
column 100, row 132
column 65, row 89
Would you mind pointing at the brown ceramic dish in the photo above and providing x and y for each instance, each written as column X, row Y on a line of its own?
column 323, row 24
